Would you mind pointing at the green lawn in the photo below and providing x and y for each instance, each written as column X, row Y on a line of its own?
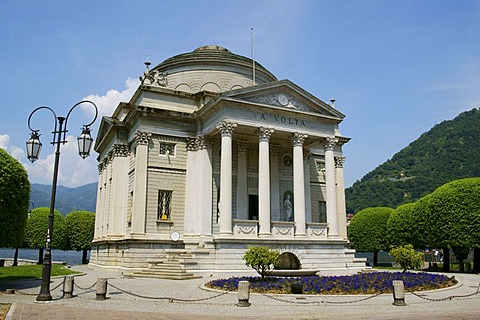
column 32, row 272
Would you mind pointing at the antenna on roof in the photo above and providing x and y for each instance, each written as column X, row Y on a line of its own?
column 253, row 57
column 332, row 101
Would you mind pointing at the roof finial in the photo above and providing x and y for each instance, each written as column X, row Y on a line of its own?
column 332, row 102
column 147, row 70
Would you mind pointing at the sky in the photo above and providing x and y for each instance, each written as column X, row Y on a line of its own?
column 395, row 68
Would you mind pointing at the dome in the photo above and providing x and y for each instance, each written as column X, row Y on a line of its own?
column 210, row 68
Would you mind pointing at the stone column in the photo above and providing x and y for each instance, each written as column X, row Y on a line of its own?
column 139, row 208
column 191, row 192
column 108, row 196
column 99, row 208
column 119, row 196
column 274, row 183
column 308, row 195
column 226, row 129
column 242, row 188
column 204, row 186
column 330, row 187
column 341, row 207
column 264, row 181
column 299, row 184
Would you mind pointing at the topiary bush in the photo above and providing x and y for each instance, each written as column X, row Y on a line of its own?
column 406, row 257
column 261, row 259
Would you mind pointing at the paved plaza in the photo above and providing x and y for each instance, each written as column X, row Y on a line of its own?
column 130, row 298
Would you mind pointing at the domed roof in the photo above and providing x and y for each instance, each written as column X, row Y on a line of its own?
column 211, row 68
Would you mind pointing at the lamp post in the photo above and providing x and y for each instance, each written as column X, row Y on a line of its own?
column 34, row 146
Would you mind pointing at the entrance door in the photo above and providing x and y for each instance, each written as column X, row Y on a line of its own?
column 253, row 207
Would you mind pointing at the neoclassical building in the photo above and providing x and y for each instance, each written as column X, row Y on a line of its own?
column 212, row 155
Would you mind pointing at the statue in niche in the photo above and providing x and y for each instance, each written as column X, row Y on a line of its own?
column 288, row 208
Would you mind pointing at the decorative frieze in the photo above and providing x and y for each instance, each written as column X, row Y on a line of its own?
column 280, row 100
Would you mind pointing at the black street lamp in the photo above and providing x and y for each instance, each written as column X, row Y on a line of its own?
column 34, row 146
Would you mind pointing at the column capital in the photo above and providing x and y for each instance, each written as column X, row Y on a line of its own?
column 298, row 139
column 242, row 145
column 201, row 142
column 191, row 144
column 330, row 143
column 120, row 150
column 142, row 137
column 339, row 162
column 226, row 128
column 264, row 134
column 274, row 149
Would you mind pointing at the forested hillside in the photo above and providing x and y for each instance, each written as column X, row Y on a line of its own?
column 449, row 151
column 67, row 199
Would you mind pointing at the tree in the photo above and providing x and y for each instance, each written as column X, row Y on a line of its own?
column 80, row 226
column 367, row 231
column 14, row 201
column 400, row 226
column 407, row 257
column 452, row 216
column 261, row 259
column 36, row 231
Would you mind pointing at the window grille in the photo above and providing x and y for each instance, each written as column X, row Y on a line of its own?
column 164, row 204
column 167, row 149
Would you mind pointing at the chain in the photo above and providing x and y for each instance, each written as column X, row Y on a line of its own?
column 289, row 301
column 354, row 301
column 88, row 288
column 449, row 297
column 167, row 298
column 321, row 301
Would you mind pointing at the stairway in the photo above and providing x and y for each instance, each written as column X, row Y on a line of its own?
column 173, row 267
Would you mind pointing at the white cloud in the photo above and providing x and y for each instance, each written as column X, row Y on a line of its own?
column 73, row 170
column 107, row 103
column 14, row 151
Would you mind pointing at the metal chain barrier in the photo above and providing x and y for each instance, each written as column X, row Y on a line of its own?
column 88, row 288
column 447, row 298
column 167, row 298
column 321, row 301
column 35, row 294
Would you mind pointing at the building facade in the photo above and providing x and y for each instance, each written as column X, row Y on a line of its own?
column 213, row 154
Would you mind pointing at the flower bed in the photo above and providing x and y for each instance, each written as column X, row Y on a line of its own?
column 363, row 283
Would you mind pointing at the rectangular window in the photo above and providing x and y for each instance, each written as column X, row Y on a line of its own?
column 164, row 204
column 167, row 149
column 322, row 205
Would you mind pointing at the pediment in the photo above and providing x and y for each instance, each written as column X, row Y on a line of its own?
column 286, row 95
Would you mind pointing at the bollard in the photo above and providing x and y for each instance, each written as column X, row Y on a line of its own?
column 398, row 293
column 101, row 289
column 68, row 287
column 243, row 294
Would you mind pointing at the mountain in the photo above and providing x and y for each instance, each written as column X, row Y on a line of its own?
column 67, row 199
column 449, row 151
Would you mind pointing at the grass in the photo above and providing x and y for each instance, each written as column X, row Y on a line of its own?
column 31, row 272
column 363, row 283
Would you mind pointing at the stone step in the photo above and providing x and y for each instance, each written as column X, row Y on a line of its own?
column 162, row 276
